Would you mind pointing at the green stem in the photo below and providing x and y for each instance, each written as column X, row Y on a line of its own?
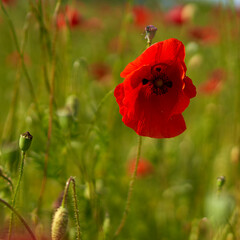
column 76, row 212
column 6, row 179
column 30, row 85
column 130, row 190
column 15, row 193
column 97, row 111
column 20, row 218
column 51, row 101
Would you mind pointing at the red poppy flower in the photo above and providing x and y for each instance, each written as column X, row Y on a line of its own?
column 141, row 16
column 100, row 71
column 179, row 15
column 204, row 34
column 144, row 167
column 8, row 2
column 156, row 91
column 72, row 15
column 214, row 83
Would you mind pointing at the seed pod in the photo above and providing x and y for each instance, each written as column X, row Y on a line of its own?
column 150, row 32
column 59, row 223
column 25, row 141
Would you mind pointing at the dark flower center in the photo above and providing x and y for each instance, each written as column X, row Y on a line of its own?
column 145, row 81
column 159, row 81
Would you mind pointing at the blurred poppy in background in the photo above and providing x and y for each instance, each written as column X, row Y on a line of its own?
column 71, row 15
column 141, row 15
column 180, row 14
column 205, row 35
column 144, row 168
column 214, row 82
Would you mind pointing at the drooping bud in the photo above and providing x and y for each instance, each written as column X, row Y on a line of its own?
column 220, row 182
column 25, row 141
column 150, row 32
column 59, row 223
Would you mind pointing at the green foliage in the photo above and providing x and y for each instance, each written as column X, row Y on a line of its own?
column 78, row 130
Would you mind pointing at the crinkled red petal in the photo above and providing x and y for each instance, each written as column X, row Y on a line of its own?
column 189, row 89
column 167, row 52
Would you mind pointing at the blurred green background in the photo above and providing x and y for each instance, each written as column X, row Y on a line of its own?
column 83, row 54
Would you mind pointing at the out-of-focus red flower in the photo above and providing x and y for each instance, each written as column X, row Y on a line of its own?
column 13, row 59
column 70, row 14
column 144, row 168
column 141, row 16
column 204, row 34
column 9, row 2
column 93, row 23
column 156, row 91
column 214, row 82
column 179, row 15
column 100, row 71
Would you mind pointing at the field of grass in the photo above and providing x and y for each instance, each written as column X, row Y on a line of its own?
column 60, row 62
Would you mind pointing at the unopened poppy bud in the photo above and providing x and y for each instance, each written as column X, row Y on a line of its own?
column 87, row 190
column 25, row 141
column 59, row 223
column 106, row 224
column 150, row 32
column 72, row 103
column 220, row 182
column 235, row 154
column 65, row 118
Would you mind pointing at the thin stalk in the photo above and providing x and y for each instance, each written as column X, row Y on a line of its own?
column 83, row 155
column 20, row 218
column 97, row 111
column 130, row 191
column 76, row 212
column 6, row 178
column 10, row 122
column 25, row 71
column 51, row 100
column 16, row 192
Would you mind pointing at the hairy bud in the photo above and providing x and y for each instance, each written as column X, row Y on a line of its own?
column 59, row 223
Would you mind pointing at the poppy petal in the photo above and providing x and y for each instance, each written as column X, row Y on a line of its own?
column 189, row 89
column 167, row 51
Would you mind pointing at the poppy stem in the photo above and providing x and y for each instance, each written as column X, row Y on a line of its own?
column 76, row 212
column 130, row 190
column 51, row 109
column 16, row 192
column 20, row 218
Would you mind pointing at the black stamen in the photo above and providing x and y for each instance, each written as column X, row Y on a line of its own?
column 158, row 69
column 145, row 81
column 168, row 84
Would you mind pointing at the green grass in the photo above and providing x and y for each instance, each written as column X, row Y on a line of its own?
column 180, row 199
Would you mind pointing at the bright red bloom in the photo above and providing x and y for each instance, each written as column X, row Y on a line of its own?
column 144, row 167
column 156, row 91
column 214, row 83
